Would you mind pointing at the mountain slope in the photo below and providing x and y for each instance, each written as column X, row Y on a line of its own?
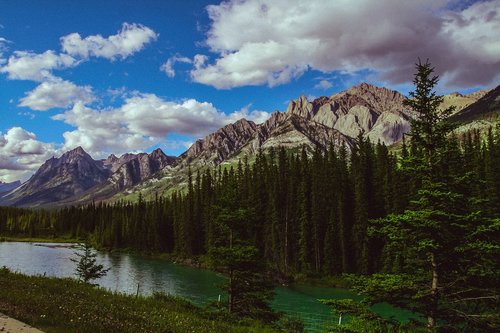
column 486, row 108
column 223, row 143
column 358, row 110
column 59, row 178
column 6, row 187
column 129, row 170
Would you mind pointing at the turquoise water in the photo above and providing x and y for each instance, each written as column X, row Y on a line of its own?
column 129, row 273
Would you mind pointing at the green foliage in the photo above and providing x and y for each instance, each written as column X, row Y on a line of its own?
column 87, row 268
column 64, row 305
column 304, row 216
column 356, row 317
column 248, row 288
column 445, row 243
column 291, row 325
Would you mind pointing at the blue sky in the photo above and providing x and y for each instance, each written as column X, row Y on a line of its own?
column 121, row 76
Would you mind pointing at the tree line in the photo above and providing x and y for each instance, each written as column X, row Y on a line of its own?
column 304, row 214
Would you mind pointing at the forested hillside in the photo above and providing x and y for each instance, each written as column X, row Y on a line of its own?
column 305, row 215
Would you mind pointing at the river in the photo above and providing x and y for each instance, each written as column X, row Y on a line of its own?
column 129, row 271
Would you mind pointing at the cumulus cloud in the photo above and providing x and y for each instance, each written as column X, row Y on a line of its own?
column 25, row 65
column 129, row 40
column 21, row 153
column 257, row 116
column 57, row 94
column 168, row 66
column 142, row 121
column 285, row 38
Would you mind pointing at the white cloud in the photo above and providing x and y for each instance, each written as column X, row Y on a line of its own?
column 25, row 65
column 57, row 94
column 257, row 116
column 143, row 121
column 129, row 40
column 3, row 48
column 475, row 32
column 323, row 84
column 168, row 66
column 21, row 154
column 283, row 38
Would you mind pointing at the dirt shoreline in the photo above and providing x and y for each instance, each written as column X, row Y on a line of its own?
column 11, row 325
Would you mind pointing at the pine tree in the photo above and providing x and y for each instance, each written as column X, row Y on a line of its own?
column 446, row 245
column 87, row 268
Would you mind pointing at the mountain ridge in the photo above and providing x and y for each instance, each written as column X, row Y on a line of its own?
column 373, row 112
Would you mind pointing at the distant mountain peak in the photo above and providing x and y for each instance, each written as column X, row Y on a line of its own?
column 74, row 154
column 76, row 151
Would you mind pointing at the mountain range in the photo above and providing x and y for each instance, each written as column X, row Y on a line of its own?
column 373, row 112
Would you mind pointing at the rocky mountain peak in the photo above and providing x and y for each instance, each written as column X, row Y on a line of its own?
column 111, row 158
column 379, row 98
column 486, row 107
column 73, row 156
column 356, row 111
column 139, row 168
column 157, row 152
column 58, row 178
column 78, row 151
column 218, row 146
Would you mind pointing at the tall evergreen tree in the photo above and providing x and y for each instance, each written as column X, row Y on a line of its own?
column 441, row 237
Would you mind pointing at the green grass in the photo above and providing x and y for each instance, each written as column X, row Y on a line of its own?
column 65, row 305
column 40, row 239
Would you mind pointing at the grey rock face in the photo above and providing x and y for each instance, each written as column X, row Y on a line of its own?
column 140, row 167
column 356, row 111
column 218, row 146
column 113, row 163
column 292, row 131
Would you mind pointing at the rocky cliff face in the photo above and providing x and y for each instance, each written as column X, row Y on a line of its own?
column 135, row 169
column 113, row 163
column 220, row 145
column 290, row 131
column 376, row 113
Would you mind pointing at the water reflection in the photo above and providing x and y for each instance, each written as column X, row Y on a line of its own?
column 198, row 285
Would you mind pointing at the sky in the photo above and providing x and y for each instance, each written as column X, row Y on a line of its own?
column 131, row 76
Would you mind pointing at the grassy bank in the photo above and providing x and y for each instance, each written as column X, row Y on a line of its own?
column 61, row 239
column 65, row 305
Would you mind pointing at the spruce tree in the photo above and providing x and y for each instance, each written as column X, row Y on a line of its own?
column 87, row 268
column 446, row 245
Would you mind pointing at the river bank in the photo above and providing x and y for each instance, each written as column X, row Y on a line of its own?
column 64, row 305
column 194, row 262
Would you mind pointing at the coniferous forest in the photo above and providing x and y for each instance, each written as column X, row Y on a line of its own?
column 421, row 224
column 304, row 214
